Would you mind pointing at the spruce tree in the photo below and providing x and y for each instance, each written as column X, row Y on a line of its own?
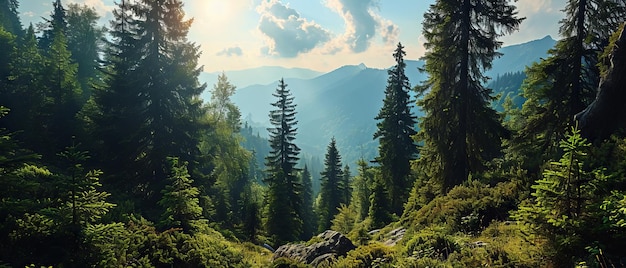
column 63, row 103
column 563, row 84
column 180, row 198
column 9, row 17
column 395, row 133
column 150, row 107
column 331, row 192
column 57, row 23
column 379, row 206
column 460, row 129
column 309, row 223
column 85, row 41
column 346, row 185
column 283, row 198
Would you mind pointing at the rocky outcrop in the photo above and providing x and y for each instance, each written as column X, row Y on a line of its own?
column 331, row 245
column 608, row 112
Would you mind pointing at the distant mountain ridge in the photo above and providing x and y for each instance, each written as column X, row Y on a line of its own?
column 343, row 103
column 260, row 75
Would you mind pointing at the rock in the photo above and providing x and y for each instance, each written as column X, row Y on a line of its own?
column 332, row 245
column 607, row 112
column 393, row 237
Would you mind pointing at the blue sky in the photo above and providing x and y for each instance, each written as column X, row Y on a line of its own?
column 317, row 34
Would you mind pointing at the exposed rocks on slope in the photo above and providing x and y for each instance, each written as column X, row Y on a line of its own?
column 332, row 245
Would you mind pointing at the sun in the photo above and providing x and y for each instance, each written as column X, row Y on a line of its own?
column 218, row 9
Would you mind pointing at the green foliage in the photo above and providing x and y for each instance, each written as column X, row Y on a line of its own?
column 431, row 243
column 283, row 198
column 563, row 84
column 345, row 219
column 9, row 17
column 332, row 190
column 379, row 205
column 564, row 202
column 309, row 218
column 469, row 207
column 460, row 130
column 180, row 198
column 372, row 255
column 395, row 131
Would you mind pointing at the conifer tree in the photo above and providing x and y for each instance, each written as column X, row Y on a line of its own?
column 283, row 198
column 395, row 131
column 180, row 198
column 379, row 206
column 563, row 84
column 460, row 129
column 85, row 41
column 565, row 200
column 309, row 223
column 63, row 94
column 9, row 17
column 346, row 185
column 57, row 23
column 150, row 107
column 331, row 192
column 25, row 90
column 361, row 190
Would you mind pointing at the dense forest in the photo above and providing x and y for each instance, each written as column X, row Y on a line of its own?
column 110, row 158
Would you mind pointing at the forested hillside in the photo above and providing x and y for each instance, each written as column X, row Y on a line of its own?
column 110, row 157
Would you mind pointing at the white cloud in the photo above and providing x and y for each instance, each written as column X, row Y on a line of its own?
column 288, row 34
column 231, row 51
column 362, row 24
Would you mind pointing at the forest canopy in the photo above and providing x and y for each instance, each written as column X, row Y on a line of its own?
column 109, row 157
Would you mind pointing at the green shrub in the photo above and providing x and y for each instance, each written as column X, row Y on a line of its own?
column 372, row 255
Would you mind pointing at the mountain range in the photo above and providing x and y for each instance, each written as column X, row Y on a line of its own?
column 343, row 103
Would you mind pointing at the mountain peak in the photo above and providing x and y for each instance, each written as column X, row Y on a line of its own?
column 362, row 66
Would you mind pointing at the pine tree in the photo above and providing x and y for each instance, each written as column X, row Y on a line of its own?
column 180, row 198
column 564, row 83
column 460, row 129
column 331, row 193
column 283, row 198
column 395, row 131
column 309, row 223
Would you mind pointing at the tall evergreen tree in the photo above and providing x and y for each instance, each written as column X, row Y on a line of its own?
column 564, row 83
column 63, row 90
column 284, row 199
column 379, row 206
column 309, row 223
column 460, row 129
column 331, row 193
column 9, row 17
column 362, row 190
column 395, row 131
column 346, row 185
column 85, row 41
column 57, row 23
column 153, row 94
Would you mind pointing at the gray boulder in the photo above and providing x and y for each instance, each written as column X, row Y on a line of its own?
column 332, row 245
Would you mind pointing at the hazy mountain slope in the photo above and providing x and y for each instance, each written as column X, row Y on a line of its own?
column 343, row 103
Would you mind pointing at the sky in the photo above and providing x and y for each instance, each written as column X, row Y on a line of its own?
column 321, row 35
